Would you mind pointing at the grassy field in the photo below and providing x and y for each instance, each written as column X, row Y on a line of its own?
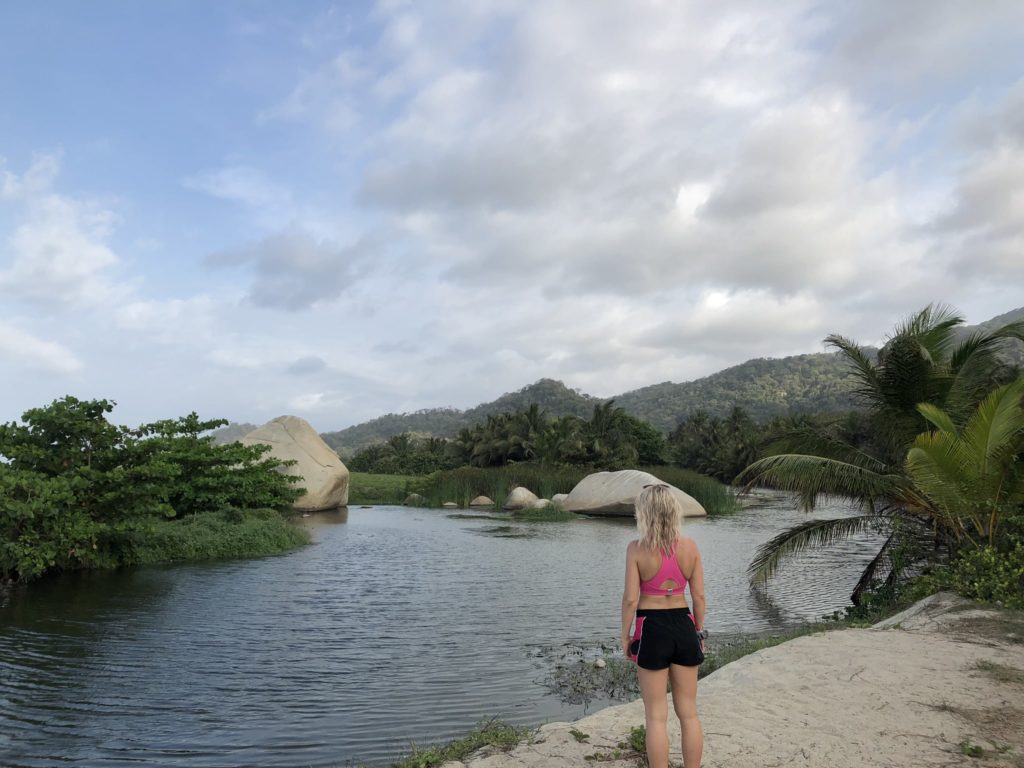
column 365, row 488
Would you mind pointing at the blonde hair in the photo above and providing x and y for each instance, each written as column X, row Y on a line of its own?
column 659, row 518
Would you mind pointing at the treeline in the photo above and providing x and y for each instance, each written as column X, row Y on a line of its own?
column 609, row 439
column 77, row 491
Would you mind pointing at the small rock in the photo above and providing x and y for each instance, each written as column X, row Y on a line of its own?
column 600, row 664
column 450, row 505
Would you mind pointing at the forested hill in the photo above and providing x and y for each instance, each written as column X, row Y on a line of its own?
column 763, row 386
column 553, row 396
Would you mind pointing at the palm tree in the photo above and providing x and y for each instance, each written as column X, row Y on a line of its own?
column 968, row 477
column 922, row 362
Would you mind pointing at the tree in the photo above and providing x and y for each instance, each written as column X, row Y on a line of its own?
column 921, row 363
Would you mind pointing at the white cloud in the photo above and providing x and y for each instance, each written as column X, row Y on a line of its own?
column 57, row 254
column 22, row 349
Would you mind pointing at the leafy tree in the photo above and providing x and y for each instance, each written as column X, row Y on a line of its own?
column 74, row 486
column 921, row 363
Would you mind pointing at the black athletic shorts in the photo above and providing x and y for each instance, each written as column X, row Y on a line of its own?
column 665, row 636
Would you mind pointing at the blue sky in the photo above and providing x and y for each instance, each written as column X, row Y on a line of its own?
column 342, row 209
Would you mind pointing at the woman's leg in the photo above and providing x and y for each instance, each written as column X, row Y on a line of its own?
column 684, row 698
column 654, row 689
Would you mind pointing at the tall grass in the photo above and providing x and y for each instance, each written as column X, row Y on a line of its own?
column 213, row 536
column 367, row 488
column 463, row 484
column 717, row 498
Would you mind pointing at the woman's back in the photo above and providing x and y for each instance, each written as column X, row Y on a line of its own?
column 661, row 584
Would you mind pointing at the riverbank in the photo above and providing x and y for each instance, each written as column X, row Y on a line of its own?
column 934, row 685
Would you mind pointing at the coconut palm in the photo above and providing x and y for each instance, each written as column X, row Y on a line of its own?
column 922, row 362
column 969, row 477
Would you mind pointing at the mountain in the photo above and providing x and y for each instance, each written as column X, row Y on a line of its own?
column 765, row 387
column 232, row 432
column 553, row 396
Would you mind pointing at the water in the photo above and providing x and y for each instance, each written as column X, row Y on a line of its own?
column 396, row 626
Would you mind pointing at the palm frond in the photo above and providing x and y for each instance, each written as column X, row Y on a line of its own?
column 812, row 534
column 867, row 576
column 809, row 476
column 863, row 366
column 995, row 428
column 937, row 417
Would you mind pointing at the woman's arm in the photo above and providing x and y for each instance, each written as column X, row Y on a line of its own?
column 697, row 588
column 630, row 595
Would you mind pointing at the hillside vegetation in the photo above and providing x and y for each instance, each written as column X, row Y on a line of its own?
column 763, row 387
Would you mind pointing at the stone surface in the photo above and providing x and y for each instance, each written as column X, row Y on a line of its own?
column 481, row 501
column 614, row 493
column 415, row 500
column 541, row 504
column 559, row 498
column 324, row 475
column 520, row 498
column 450, row 505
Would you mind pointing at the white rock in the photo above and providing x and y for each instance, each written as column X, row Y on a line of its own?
column 481, row 501
column 540, row 504
column 520, row 498
column 559, row 498
column 324, row 475
column 600, row 664
column 614, row 493
column 450, row 505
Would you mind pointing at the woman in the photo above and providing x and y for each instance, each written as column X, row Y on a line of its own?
column 665, row 643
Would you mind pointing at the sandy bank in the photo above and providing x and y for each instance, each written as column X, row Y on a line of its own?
column 913, row 691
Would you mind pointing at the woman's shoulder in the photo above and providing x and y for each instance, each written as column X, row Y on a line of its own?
column 688, row 545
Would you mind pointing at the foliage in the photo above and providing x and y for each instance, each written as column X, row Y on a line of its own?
column 405, row 454
column 491, row 733
column 550, row 513
column 715, row 446
column 211, row 536
column 367, row 488
column 76, row 487
column 922, row 363
column 463, row 484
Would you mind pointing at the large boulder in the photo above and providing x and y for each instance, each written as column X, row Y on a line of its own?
column 614, row 494
column 520, row 498
column 324, row 475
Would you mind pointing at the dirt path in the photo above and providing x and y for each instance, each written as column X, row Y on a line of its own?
column 925, row 688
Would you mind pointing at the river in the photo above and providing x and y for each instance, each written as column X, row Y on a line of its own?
column 396, row 626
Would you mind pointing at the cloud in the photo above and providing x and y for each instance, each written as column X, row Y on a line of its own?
column 307, row 365
column 57, row 254
column 23, row 349
column 293, row 270
column 242, row 184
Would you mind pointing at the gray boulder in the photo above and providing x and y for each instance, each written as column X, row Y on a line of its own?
column 614, row 494
column 481, row 501
column 324, row 475
column 520, row 498
column 450, row 505
column 415, row 500
column 559, row 499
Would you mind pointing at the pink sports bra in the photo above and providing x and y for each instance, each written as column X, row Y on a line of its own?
column 669, row 570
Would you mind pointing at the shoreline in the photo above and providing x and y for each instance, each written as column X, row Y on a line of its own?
column 934, row 685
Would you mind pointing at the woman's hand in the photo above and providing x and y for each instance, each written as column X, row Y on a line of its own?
column 626, row 642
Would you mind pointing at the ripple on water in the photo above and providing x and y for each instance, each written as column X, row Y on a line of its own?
column 395, row 627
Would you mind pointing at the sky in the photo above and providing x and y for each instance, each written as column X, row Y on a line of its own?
column 338, row 210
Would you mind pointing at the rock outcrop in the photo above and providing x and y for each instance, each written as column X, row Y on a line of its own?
column 324, row 475
column 614, row 494
column 520, row 498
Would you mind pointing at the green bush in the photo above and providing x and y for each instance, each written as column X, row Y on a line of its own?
column 212, row 536
column 982, row 573
column 370, row 488
column 77, row 490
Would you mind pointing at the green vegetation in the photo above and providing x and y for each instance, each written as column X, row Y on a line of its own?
column 638, row 739
column 367, row 488
column 79, row 492
column 579, row 735
column 938, row 470
column 552, row 513
column 464, row 484
column 491, row 733
column 212, row 536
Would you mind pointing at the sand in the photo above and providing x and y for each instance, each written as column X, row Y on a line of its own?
column 921, row 689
